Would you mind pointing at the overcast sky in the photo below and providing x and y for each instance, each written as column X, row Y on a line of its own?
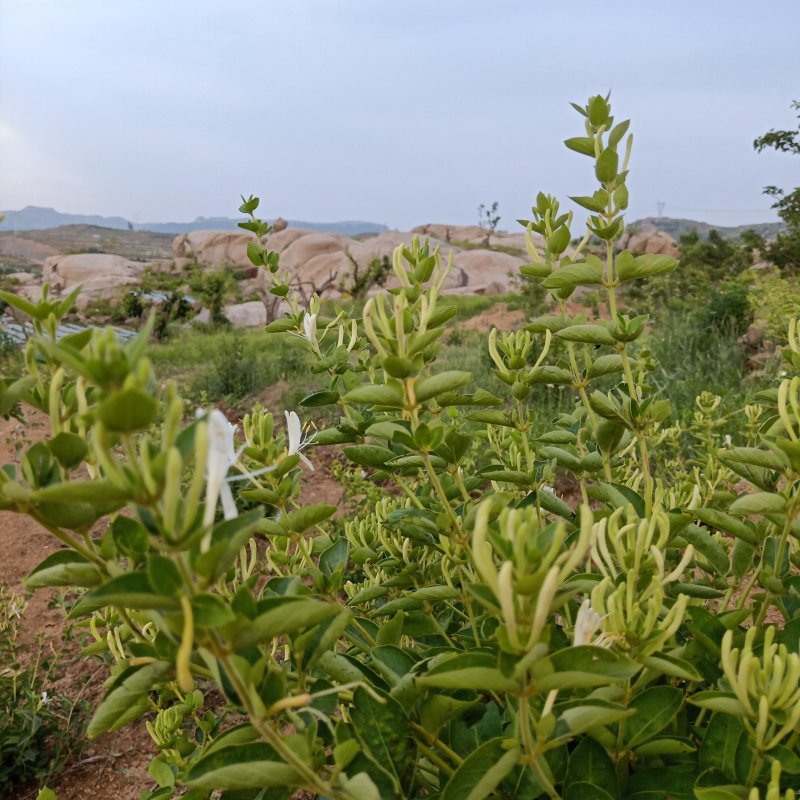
column 392, row 111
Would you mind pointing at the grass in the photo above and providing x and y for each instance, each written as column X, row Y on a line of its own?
column 230, row 365
column 692, row 358
column 236, row 366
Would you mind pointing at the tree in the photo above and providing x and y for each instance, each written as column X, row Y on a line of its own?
column 784, row 252
column 488, row 218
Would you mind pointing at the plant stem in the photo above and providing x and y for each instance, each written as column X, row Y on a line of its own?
column 437, row 485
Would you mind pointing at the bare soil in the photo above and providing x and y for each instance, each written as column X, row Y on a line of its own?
column 115, row 766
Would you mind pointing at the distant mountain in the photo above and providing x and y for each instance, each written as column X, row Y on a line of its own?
column 35, row 218
column 677, row 227
column 349, row 227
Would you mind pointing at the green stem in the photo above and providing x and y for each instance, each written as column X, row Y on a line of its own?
column 66, row 539
column 523, row 427
column 437, row 485
column 434, row 741
column 274, row 738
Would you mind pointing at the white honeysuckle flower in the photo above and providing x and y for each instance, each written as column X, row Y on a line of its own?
column 728, row 440
column 587, row 623
column 310, row 327
column 221, row 456
column 296, row 441
column 549, row 490
column 45, row 698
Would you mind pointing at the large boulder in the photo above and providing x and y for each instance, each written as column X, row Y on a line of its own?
column 487, row 271
column 656, row 242
column 326, row 261
column 453, row 233
column 247, row 315
column 99, row 275
column 211, row 248
column 252, row 314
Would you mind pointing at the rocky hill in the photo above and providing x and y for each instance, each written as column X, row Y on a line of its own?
column 677, row 227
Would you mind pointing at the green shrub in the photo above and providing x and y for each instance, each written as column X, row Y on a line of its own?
column 40, row 730
column 469, row 634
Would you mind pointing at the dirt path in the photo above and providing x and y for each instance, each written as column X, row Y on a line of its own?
column 115, row 766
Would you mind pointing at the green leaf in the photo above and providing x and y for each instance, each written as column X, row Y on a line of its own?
column 666, row 664
column 478, row 671
column 617, row 132
column 101, row 491
column 449, row 381
column 304, row 518
column 549, row 373
column 369, row 455
column 69, row 449
column 596, row 203
column 382, row 730
column 655, row 708
column 580, row 274
column 725, row 702
column 606, row 166
column 721, row 747
column 255, row 252
column 63, row 568
column 581, row 144
column 128, row 411
column 590, row 765
column 249, row 766
column 598, row 111
column 164, row 575
column 360, row 786
column 130, row 590
column 758, row 503
column 506, row 476
column 480, row 397
column 589, row 715
column 491, row 416
column 21, row 304
column 482, row 771
column 769, row 459
column 726, row 522
column 418, row 599
column 127, row 700
column 588, row 334
column 606, row 365
column 398, row 367
column 12, row 393
column 583, row 667
column 323, row 397
column 210, row 611
column 731, row 792
column 283, row 615
column 439, row 709
column 645, row 266
column 585, row 791
column 665, row 746
column 375, row 394
column 708, row 547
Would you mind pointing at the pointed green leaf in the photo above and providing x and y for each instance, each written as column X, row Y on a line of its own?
column 482, row 771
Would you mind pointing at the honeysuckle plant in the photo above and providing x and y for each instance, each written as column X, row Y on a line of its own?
column 464, row 631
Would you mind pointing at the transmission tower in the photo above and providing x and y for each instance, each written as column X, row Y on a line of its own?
column 660, row 206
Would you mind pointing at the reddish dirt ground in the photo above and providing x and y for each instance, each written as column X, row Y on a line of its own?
column 115, row 766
